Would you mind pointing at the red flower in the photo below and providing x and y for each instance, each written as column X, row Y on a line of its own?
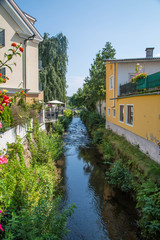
column 4, row 80
column 7, row 78
column 21, row 91
column 25, row 95
column 21, row 49
column 6, row 100
column 0, row 74
column 14, row 44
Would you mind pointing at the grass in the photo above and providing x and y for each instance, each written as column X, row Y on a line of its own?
column 133, row 157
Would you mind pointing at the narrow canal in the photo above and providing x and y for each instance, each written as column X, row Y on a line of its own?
column 102, row 213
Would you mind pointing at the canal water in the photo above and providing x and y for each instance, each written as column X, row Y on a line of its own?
column 102, row 213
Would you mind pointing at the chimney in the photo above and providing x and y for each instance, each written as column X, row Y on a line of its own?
column 149, row 52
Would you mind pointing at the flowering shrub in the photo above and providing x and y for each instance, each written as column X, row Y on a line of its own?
column 139, row 74
column 3, row 159
column 4, row 100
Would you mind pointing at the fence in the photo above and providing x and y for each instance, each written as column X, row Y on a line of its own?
column 11, row 135
column 127, row 88
column 150, row 82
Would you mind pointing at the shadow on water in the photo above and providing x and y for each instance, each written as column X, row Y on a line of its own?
column 102, row 212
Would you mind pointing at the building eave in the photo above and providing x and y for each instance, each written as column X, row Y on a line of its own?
column 132, row 60
column 21, row 19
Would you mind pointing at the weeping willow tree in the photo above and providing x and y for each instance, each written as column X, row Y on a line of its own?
column 53, row 54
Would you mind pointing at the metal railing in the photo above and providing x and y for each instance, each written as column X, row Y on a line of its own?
column 150, row 82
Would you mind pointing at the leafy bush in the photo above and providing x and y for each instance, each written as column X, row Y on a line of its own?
column 59, row 128
column 148, row 200
column 28, row 197
column 98, row 136
column 66, row 118
column 120, row 177
column 19, row 114
column 92, row 120
column 45, row 221
column 108, row 151
column 6, row 119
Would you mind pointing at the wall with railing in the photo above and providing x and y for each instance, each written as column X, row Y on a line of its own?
column 150, row 82
column 10, row 135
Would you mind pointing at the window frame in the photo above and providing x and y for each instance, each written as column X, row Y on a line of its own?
column 120, row 114
column 129, row 105
column 109, row 112
column 3, row 71
column 111, row 84
column 2, row 31
column 114, row 111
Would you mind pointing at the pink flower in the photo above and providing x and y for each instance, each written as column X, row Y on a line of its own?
column 1, row 228
column 3, row 159
column 0, row 211
column 0, row 125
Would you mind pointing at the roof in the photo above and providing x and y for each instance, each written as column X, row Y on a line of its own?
column 32, row 19
column 133, row 60
column 22, row 19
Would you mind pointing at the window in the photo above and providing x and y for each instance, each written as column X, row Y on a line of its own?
column 108, row 111
column 3, row 71
column 111, row 83
column 2, row 37
column 114, row 112
column 130, row 114
column 121, row 113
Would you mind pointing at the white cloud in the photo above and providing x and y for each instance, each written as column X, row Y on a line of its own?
column 74, row 82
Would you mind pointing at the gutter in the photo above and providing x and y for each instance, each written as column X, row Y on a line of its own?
column 113, row 87
column 25, row 65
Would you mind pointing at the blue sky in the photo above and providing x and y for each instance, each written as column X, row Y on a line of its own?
column 130, row 26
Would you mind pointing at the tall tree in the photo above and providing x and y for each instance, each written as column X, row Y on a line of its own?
column 94, row 88
column 53, row 54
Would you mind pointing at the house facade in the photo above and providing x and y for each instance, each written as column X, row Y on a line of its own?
column 17, row 26
column 133, row 110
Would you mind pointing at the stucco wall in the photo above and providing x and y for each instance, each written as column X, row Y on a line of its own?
column 7, row 23
column 32, row 67
column 146, row 116
column 30, row 53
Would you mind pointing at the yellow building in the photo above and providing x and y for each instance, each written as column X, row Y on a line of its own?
column 17, row 26
column 133, row 111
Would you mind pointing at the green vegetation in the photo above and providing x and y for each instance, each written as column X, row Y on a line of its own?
column 131, row 171
column 29, row 190
column 53, row 53
column 94, row 88
column 6, row 119
column 66, row 118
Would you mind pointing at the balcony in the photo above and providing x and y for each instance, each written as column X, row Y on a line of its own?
column 149, row 84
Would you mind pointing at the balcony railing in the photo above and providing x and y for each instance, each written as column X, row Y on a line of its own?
column 151, row 82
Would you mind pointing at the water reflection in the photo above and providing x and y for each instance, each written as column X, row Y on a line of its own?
column 102, row 213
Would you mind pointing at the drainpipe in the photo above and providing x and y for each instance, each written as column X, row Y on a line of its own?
column 25, row 65
column 113, row 86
